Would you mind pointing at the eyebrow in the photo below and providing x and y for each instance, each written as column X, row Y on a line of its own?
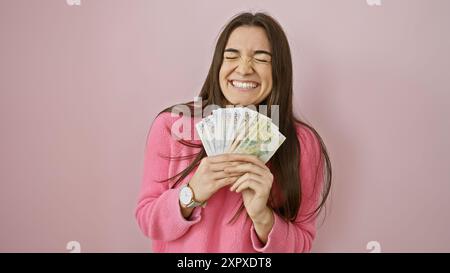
column 255, row 52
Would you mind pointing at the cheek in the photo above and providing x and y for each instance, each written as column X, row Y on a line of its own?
column 221, row 73
column 267, row 78
column 223, row 83
column 224, row 71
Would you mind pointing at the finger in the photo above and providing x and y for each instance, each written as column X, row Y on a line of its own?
column 248, row 158
column 222, row 158
column 239, row 181
column 247, row 167
column 222, row 165
column 235, row 157
column 219, row 175
column 225, row 181
column 244, row 178
column 251, row 184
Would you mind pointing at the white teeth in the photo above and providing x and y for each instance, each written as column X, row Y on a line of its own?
column 245, row 85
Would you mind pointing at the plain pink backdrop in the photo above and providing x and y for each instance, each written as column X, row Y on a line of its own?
column 80, row 86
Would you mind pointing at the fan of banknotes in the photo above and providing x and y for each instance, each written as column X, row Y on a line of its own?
column 239, row 130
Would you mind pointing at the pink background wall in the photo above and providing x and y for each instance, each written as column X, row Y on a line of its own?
column 80, row 86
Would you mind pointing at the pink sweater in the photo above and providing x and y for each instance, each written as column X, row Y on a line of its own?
column 159, row 216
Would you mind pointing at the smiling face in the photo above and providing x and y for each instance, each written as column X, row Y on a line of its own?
column 246, row 72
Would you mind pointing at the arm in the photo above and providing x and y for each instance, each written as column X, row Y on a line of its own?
column 186, row 212
column 296, row 236
column 264, row 224
column 158, row 213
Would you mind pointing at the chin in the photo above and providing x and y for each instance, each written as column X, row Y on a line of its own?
column 237, row 101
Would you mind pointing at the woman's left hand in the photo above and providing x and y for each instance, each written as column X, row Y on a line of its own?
column 255, row 185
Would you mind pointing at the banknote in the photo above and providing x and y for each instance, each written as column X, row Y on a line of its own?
column 239, row 130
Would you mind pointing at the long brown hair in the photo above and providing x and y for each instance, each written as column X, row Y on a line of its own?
column 285, row 162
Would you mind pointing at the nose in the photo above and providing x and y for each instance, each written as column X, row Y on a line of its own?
column 244, row 67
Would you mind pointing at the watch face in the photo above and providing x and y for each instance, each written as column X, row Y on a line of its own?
column 185, row 195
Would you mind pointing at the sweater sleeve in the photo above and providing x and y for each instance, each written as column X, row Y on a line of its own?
column 158, row 213
column 298, row 235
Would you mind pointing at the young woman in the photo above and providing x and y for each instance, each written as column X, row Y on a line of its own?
column 250, row 206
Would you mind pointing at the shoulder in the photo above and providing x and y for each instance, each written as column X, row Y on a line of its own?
column 163, row 120
column 160, row 126
column 170, row 127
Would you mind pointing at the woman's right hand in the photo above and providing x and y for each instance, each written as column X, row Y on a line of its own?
column 210, row 176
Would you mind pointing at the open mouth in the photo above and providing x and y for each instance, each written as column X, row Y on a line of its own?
column 244, row 85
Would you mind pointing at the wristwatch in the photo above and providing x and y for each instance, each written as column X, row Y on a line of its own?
column 187, row 198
